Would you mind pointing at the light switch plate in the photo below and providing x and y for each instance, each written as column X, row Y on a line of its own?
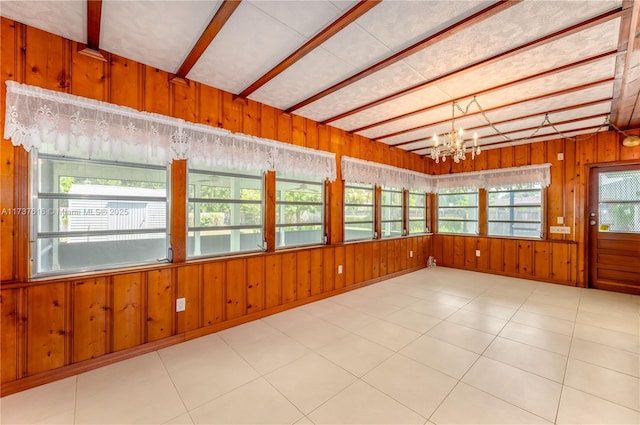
column 564, row 230
column 181, row 304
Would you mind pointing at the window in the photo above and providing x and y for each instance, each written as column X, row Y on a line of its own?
column 391, row 213
column 619, row 201
column 515, row 211
column 224, row 212
column 299, row 212
column 417, row 213
column 358, row 212
column 458, row 212
column 96, row 214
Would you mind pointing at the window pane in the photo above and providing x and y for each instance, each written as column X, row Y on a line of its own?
column 417, row 226
column 299, row 211
column 458, row 212
column 417, row 213
column 619, row 202
column 515, row 211
column 224, row 212
column 357, row 231
column 98, row 214
column 358, row 212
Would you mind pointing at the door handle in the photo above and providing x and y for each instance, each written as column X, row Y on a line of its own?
column 592, row 222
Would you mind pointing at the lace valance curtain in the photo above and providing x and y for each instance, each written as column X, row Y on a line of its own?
column 64, row 124
column 530, row 174
column 367, row 172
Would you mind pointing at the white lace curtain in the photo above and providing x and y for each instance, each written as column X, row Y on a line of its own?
column 366, row 172
column 64, row 124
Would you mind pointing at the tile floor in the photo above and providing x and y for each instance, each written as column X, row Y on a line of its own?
column 436, row 346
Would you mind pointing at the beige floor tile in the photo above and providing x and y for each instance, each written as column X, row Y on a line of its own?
column 530, row 392
column 388, row 335
column 536, row 337
column 577, row 407
column 415, row 385
column 137, row 390
column 254, row 403
column 468, row 405
column 205, row 368
column 320, row 308
column 184, row 419
column 568, row 300
column 547, row 323
column 623, row 322
column 613, row 339
column 314, row 333
column 397, row 299
column 544, row 309
column 535, row 360
column 601, row 355
column 355, row 354
column 449, row 299
column 288, row 318
column 362, row 404
column 462, row 336
column 248, row 333
column 348, row 319
column 269, row 354
column 478, row 321
column 433, row 308
column 304, row 421
column 412, row 320
column 449, row 359
column 484, row 307
column 52, row 403
column 310, row 381
column 377, row 308
column 604, row 383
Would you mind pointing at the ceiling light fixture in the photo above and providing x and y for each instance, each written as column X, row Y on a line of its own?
column 454, row 144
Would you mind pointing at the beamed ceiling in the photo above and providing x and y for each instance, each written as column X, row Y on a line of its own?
column 387, row 70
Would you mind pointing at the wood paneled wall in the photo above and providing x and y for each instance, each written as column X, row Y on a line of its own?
column 566, row 197
column 56, row 327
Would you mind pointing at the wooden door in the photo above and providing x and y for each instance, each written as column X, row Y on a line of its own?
column 614, row 228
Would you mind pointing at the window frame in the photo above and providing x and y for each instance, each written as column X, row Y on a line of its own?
column 372, row 187
column 390, row 207
column 200, row 200
column 35, row 212
column 422, row 220
column 541, row 205
column 477, row 221
column 321, row 204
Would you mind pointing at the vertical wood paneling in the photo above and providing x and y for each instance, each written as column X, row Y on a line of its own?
column 128, row 311
column 213, row 292
column 251, row 117
column 267, row 122
column 156, row 91
column 367, row 260
column 510, row 256
column 555, row 191
column 375, row 260
column 45, row 65
column 210, row 108
column 284, row 127
column 317, row 271
column 349, row 268
column 190, row 288
column 273, row 280
column 185, row 101
column 160, row 304
column 303, row 273
column 88, row 75
column 9, row 324
column 383, row 256
column 541, row 259
column 299, row 130
column 46, row 332
column 231, row 112
column 496, row 260
column 560, row 262
column 89, row 319
column 470, row 245
column 125, row 82
column 458, row 251
column 289, row 274
column 525, row 258
column 255, row 284
column 482, row 261
column 329, row 271
column 236, row 289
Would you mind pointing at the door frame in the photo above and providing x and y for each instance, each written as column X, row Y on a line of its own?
column 590, row 169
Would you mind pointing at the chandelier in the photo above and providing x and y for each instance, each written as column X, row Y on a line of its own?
column 454, row 144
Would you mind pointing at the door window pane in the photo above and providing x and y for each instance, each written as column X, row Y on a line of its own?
column 619, row 202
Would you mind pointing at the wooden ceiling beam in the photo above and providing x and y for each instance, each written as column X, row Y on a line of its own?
column 626, row 108
column 461, row 25
column 336, row 26
column 94, row 20
column 523, row 117
column 507, row 105
column 218, row 21
column 582, row 26
column 490, row 90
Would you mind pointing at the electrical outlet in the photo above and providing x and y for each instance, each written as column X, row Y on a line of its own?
column 477, row 252
column 340, row 269
column 181, row 304
column 560, row 156
column 410, row 254
column 560, row 220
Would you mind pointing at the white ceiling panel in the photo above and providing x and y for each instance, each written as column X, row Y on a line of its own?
column 305, row 17
column 160, row 34
column 65, row 18
column 250, row 44
column 582, row 45
column 428, row 132
column 378, row 85
column 430, row 95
